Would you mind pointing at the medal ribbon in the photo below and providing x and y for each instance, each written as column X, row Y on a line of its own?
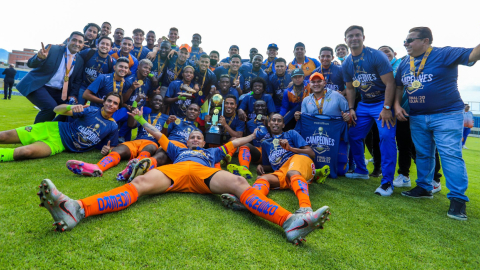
column 320, row 106
column 422, row 64
column 159, row 69
column 139, row 52
column 115, row 85
column 67, row 70
column 154, row 123
column 326, row 77
column 356, row 68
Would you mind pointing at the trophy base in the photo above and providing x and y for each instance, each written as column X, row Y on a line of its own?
column 213, row 138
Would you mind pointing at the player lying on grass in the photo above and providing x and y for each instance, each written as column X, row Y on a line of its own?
column 89, row 127
column 290, row 157
column 192, row 171
column 144, row 146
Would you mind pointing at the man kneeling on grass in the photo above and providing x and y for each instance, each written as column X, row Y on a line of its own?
column 192, row 171
column 88, row 128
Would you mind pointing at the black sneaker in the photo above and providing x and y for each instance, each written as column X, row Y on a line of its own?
column 457, row 210
column 376, row 173
column 418, row 193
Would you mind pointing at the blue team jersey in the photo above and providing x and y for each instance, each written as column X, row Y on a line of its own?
column 88, row 129
column 175, row 47
column 155, row 119
column 252, row 125
column 234, row 124
column 173, row 70
column 249, row 74
column 333, row 76
column 145, row 89
column 116, row 46
column 277, row 86
column 247, row 105
column 219, row 71
column 104, row 85
column 195, row 54
column 269, row 65
column 179, row 108
column 95, row 66
column 205, row 157
column 159, row 66
column 231, row 91
column 439, row 90
column 140, row 52
column 181, row 131
column 205, row 79
column 275, row 155
column 371, row 64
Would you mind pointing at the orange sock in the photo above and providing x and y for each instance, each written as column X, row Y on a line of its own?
column 109, row 161
column 263, row 207
column 144, row 154
column 153, row 164
column 262, row 185
column 217, row 165
column 300, row 188
column 232, row 152
column 244, row 156
column 111, row 201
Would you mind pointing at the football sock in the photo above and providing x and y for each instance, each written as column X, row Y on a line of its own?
column 217, row 165
column 262, row 185
column 244, row 156
column 263, row 207
column 144, row 154
column 153, row 165
column 6, row 154
column 109, row 161
column 300, row 188
column 232, row 152
column 111, row 201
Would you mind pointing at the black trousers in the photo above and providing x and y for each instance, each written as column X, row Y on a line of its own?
column 7, row 89
column 372, row 141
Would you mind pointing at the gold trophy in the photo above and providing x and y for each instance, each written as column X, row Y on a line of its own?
column 213, row 135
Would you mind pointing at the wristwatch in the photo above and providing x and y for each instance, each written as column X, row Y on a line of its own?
column 386, row 107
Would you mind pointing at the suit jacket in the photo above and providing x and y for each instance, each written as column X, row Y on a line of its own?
column 44, row 70
column 9, row 75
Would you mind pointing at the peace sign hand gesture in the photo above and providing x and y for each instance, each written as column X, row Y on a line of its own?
column 43, row 53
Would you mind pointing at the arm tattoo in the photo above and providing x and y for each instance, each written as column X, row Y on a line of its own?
column 152, row 130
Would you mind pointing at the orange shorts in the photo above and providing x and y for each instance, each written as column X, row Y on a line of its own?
column 137, row 146
column 188, row 176
column 259, row 150
column 300, row 163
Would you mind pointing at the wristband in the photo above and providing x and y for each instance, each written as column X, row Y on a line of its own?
column 351, row 109
column 165, row 125
column 182, row 98
column 69, row 107
column 134, row 104
column 141, row 121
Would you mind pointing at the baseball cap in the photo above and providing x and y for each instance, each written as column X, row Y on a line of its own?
column 299, row 44
column 186, row 47
column 272, row 46
column 316, row 75
column 297, row 72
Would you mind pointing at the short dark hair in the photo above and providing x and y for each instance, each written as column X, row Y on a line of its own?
column 386, row 47
column 326, row 48
column 115, row 95
column 280, row 59
column 205, row 56
column 137, row 30
column 423, row 32
column 174, row 29
column 107, row 23
column 91, row 24
column 119, row 29
column 151, row 31
column 76, row 33
column 153, row 95
column 215, row 52
column 353, row 27
column 102, row 38
column 341, row 45
column 123, row 59
column 230, row 96
column 128, row 38
column 254, row 49
column 236, row 56
column 260, row 80
column 196, row 34
column 258, row 54
column 270, row 117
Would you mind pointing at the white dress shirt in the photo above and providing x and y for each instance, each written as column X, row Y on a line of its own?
column 57, row 80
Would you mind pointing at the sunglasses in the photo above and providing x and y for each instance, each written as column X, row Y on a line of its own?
column 410, row 40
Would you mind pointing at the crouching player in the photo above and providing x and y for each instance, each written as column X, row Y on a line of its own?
column 89, row 127
column 290, row 157
column 144, row 146
column 192, row 171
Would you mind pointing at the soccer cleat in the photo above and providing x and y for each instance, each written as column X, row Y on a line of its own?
column 402, row 181
column 464, row 147
column 304, row 210
column 321, row 174
column 233, row 202
column 384, row 190
column 418, row 193
column 226, row 160
column 65, row 212
column 83, row 168
column 436, row 186
column 457, row 210
column 355, row 175
column 125, row 174
column 298, row 226
column 140, row 168
column 240, row 170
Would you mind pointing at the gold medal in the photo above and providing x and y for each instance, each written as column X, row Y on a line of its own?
column 216, row 111
column 178, row 121
column 140, row 82
column 65, row 78
column 200, row 93
column 259, row 117
column 275, row 142
column 356, row 83
column 416, row 84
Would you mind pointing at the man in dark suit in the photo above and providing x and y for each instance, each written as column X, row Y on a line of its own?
column 55, row 78
column 8, row 81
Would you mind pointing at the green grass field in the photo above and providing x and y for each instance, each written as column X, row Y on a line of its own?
column 366, row 231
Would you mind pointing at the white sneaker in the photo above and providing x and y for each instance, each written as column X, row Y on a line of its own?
column 436, row 186
column 357, row 175
column 402, row 181
column 464, row 147
column 384, row 190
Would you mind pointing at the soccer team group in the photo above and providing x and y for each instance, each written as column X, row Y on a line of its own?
column 93, row 91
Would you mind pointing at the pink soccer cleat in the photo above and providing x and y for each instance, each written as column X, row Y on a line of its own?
column 83, row 168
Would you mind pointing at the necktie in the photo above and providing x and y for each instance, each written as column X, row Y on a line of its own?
column 65, row 82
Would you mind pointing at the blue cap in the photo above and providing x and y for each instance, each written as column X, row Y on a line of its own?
column 299, row 44
column 272, row 46
column 234, row 46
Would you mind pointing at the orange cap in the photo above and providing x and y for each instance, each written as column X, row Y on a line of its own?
column 317, row 74
column 187, row 47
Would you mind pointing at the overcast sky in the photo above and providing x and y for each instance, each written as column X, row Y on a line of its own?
column 252, row 24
